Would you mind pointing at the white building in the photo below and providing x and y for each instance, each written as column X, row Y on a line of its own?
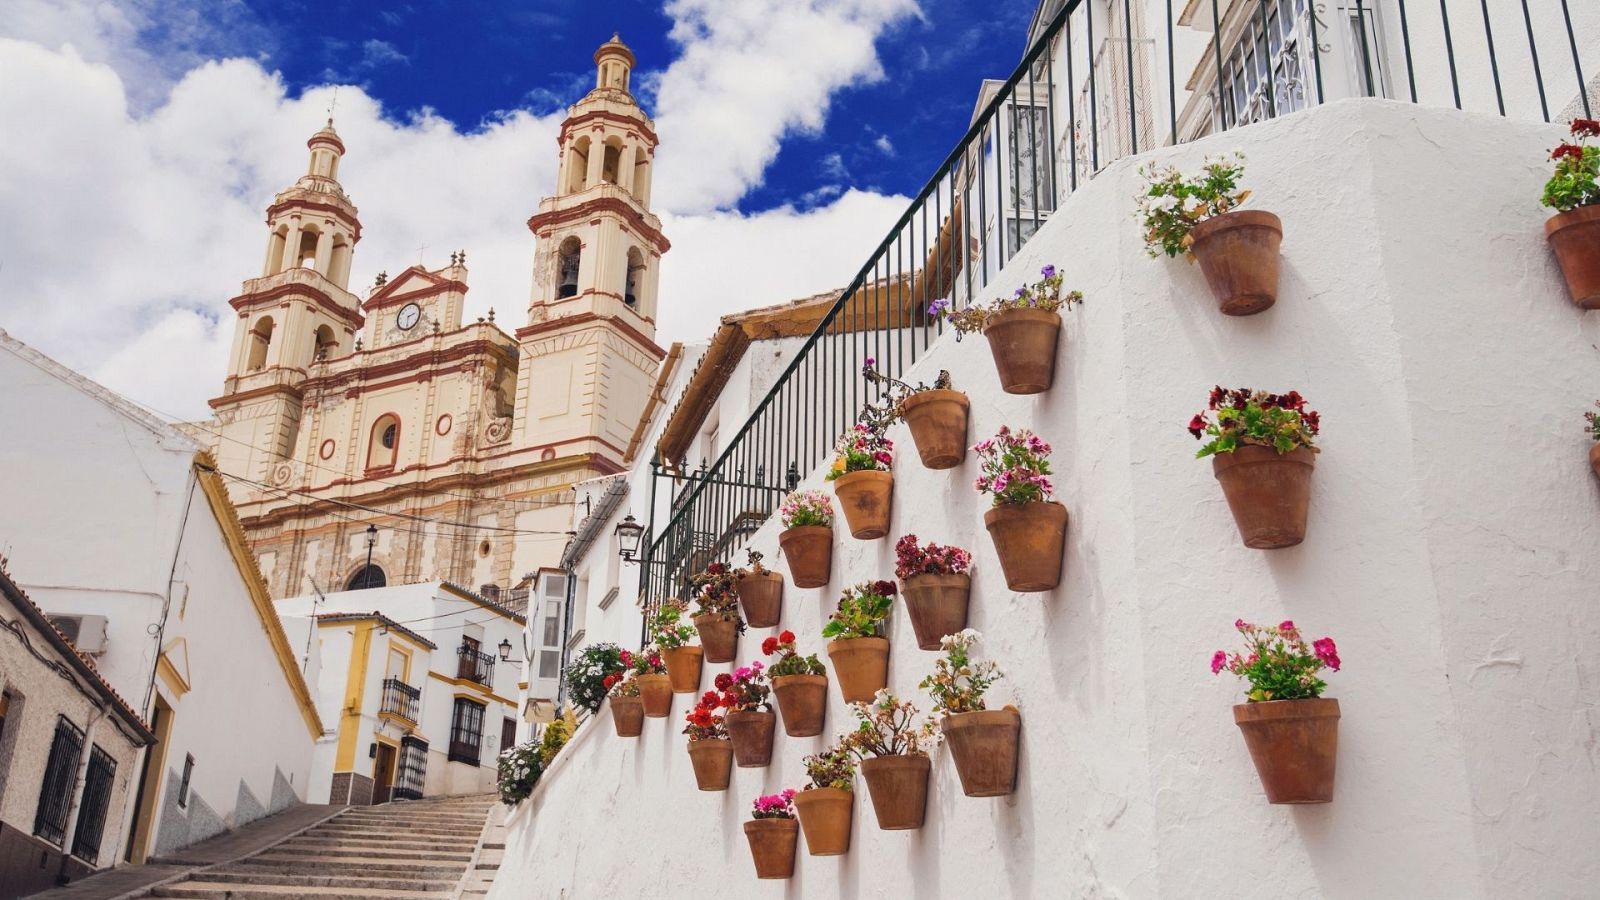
column 418, row 683
column 1451, row 544
column 69, row 754
column 120, row 529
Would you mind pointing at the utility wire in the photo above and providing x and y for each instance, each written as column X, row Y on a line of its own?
column 343, row 473
column 384, row 512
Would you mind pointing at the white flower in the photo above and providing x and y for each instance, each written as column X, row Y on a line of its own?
column 1167, row 203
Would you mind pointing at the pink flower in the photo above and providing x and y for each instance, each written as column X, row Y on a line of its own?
column 1286, row 626
column 1327, row 652
column 1218, row 660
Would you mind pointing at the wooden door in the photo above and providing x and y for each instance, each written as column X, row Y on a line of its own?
column 383, row 774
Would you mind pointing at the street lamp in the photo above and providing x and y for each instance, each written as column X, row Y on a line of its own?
column 372, row 539
column 505, row 649
column 628, row 533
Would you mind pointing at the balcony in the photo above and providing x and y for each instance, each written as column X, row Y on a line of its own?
column 400, row 700
column 474, row 665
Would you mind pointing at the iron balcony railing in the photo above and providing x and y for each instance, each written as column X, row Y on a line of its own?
column 475, row 665
column 1100, row 81
column 400, row 699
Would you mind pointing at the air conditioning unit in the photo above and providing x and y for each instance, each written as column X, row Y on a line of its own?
column 87, row 633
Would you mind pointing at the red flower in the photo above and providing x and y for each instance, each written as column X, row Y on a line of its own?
column 609, row 681
column 1218, row 394
column 786, row 637
column 769, row 646
column 1313, row 420
column 723, row 682
column 886, row 588
column 1572, row 150
column 1197, row 425
column 1586, row 127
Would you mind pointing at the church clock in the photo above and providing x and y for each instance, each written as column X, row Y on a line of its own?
column 409, row 314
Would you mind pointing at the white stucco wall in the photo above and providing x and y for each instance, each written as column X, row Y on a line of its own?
column 100, row 514
column 1451, row 553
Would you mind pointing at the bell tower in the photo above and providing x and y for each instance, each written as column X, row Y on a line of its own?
column 297, row 313
column 588, row 351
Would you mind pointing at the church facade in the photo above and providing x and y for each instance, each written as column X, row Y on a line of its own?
column 383, row 439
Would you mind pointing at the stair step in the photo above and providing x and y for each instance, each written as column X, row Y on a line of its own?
column 396, row 881
column 381, row 868
column 392, row 841
column 273, row 854
column 222, row 890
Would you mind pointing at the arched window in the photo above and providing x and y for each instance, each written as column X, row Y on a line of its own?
column 567, row 260
column 368, row 576
column 612, row 162
column 260, row 340
column 325, row 343
column 383, row 446
column 641, row 177
column 635, row 277
column 578, row 166
column 306, row 256
column 275, row 242
column 339, row 261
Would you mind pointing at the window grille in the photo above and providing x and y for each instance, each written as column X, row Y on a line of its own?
column 55, row 794
column 97, row 783
column 466, row 731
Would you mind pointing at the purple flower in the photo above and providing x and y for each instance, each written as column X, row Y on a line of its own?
column 939, row 307
column 1020, row 292
column 1048, row 271
column 871, row 362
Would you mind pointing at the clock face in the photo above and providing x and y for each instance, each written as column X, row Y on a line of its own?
column 409, row 314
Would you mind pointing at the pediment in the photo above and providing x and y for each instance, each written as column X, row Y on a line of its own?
column 413, row 281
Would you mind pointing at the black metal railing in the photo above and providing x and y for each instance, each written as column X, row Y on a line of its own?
column 1100, row 81
column 98, row 779
column 401, row 699
column 475, row 665
column 60, row 773
column 411, row 771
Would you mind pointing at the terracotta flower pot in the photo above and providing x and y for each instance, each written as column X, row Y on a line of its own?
column 683, row 668
column 937, row 604
column 825, row 815
column 1238, row 253
column 898, row 786
column 1575, row 238
column 1030, row 539
column 713, row 763
column 1294, row 744
column 984, row 747
column 938, row 423
column 655, row 692
column 1023, row 342
column 1268, row 492
column 719, row 637
column 751, row 734
column 862, row 666
column 772, row 845
column 627, row 714
column 761, row 596
column 809, row 551
column 866, row 497
column 802, row 701
column 1594, row 458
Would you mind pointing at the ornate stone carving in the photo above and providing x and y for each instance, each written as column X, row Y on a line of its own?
column 498, row 431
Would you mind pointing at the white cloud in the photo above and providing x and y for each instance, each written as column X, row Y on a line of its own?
column 750, row 73
column 884, row 145
column 123, row 232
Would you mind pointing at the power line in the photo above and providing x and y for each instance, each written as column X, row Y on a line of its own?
column 384, row 512
column 344, row 473
column 283, row 494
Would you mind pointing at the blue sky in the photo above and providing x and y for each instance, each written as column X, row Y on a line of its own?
column 469, row 60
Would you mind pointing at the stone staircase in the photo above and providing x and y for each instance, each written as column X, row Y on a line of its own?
column 420, row 849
